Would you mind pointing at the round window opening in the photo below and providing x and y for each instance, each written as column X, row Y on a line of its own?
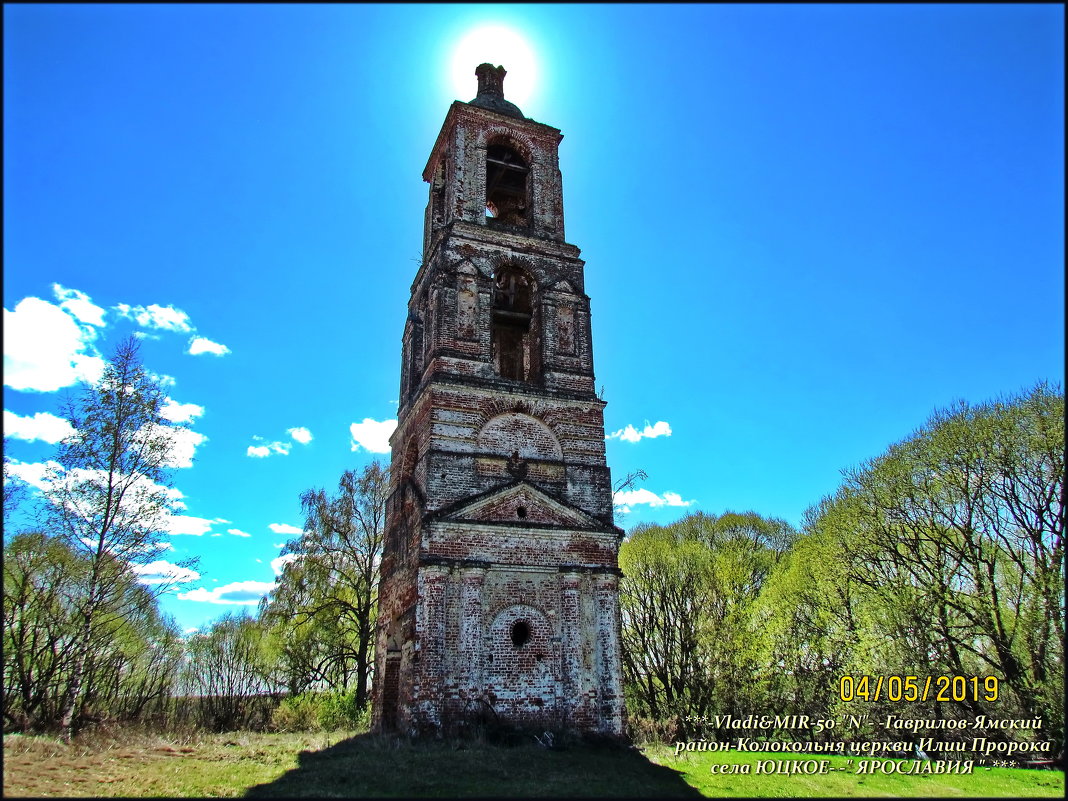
column 520, row 633
column 521, row 511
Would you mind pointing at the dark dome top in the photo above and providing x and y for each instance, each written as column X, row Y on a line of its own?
column 491, row 91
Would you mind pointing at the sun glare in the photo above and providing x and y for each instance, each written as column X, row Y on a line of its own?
column 497, row 45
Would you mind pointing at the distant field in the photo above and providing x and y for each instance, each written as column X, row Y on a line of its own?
column 340, row 764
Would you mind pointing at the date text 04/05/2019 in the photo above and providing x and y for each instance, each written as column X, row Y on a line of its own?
column 915, row 688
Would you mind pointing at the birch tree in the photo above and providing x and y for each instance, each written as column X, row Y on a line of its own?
column 109, row 495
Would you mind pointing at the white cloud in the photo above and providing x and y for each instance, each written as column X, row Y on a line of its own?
column 78, row 305
column 628, row 498
column 285, row 528
column 43, row 426
column 160, row 572
column 164, row 380
column 44, row 475
column 372, row 435
column 33, row 473
column 278, row 545
column 188, row 525
column 45, row 348
column 263, row 451
column 280, row 562
column 167, row 317
column 180, row 412
column 238, row 532
column 301, row 435
column 240, row 593
column 198, row 345
column 184, row 443
column 631, row 434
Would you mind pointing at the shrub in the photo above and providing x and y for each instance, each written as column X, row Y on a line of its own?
column 649, row 731
column 321, row 711
column 296, row 713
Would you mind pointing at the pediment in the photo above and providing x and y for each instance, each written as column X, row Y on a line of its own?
column 521, row 502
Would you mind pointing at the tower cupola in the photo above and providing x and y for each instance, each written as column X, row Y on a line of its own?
column 491, row 91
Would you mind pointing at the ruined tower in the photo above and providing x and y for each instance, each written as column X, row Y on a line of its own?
column 499, row 594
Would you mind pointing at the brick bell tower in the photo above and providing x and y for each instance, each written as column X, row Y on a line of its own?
column 499, row 595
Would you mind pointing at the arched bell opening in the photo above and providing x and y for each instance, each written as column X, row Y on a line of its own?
column 507, row 185
column 514, row 336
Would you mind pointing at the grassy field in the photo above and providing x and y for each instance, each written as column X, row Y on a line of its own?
column 340, row 764
column 981, row 783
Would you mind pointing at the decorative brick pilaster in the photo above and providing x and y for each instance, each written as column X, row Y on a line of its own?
column 609, row 667
column 472, row 627
column 570, row 640
column 434, row 579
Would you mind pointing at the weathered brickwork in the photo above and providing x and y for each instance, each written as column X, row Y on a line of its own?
column 499, row 597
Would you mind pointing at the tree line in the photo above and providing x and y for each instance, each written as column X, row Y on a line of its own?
column 942, row 557
column 84, row 640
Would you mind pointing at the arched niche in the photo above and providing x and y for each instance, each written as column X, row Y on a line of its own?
column 506, row 433
column 522, row 661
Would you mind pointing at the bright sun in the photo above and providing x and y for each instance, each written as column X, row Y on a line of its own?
column 496, row 45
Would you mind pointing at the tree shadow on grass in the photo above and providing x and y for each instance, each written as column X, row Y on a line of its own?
column 373, row 766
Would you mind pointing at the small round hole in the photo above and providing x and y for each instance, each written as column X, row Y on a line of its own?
column 521, row 511
column 520, row 633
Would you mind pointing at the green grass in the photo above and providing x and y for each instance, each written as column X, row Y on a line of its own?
column 143, row 765
column 341, row 764
column 983, row 782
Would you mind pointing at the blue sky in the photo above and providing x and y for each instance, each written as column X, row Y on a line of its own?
column 805, row 228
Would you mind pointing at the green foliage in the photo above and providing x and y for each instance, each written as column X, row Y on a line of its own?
column 107, row 494
column 322, row 711
column 688, row 606
column 230, row 668
column 321, row 616
column 942, row 557
column 131, row 666
column 951, row 547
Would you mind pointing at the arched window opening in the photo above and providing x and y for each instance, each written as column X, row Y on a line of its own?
column 506, row 186
column 520, row 633
column 512, row 311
